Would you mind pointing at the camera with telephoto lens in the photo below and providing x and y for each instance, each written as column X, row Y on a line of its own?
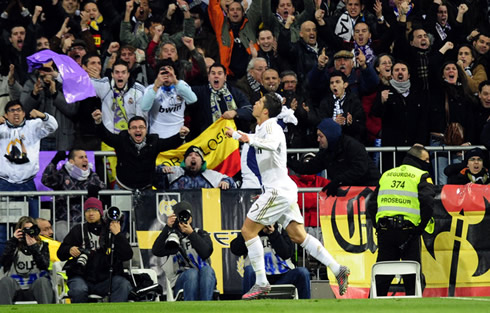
column 83, row 257
column 174, row 236
column 32, row 231
column 113, row 214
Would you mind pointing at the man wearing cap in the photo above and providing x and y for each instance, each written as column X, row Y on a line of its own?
column 362, row 79
column 472, row 172
column 345, row 159
column 186, row 251
column 89, row 246
column 400, row 209
column 192, row 174
column 166, row 100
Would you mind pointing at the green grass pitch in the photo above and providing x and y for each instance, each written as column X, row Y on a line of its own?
column 421, row 305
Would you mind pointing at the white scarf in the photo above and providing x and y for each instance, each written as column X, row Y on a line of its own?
column 345, row 27
column 77, row 173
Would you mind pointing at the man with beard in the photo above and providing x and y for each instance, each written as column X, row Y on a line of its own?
column 192, row 174
column 136, row 151
column 76, row 174
column 417, row 51
column 403, row 110
column 270, row 81
column 285, row 8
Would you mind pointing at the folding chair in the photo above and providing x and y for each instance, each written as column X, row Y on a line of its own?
column 396, row 268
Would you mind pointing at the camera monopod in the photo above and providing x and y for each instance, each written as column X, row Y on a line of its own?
column 112, row 214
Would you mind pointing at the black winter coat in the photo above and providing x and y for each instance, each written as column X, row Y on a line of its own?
column 404, row 120
column 136, row 169
column 348, row 163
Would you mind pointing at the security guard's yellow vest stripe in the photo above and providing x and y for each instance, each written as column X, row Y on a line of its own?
column 399, row 209
column 398, row 193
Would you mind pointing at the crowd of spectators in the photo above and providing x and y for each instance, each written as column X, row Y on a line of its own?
column 441, row 54
column 383, row 72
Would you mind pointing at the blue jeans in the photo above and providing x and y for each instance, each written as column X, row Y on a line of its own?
column 33, row 205
column 299, row 277
column 80, row 289
column 442, row 161
column 198, row 284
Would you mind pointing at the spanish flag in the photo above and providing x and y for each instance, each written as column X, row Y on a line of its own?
column 220, row 152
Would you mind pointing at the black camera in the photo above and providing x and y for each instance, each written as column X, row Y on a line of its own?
column 113, row 214
column 182, row 217
column 32, row 231
column 83, row 257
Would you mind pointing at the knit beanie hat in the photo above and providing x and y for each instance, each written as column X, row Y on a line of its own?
column 474, row 152
column 195, row 149
column 331, row 130
column 93, row 203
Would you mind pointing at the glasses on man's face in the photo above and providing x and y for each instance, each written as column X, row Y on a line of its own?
column 137, row 127
column 18, row 110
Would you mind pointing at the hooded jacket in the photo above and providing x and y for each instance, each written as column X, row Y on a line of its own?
column 345, row 159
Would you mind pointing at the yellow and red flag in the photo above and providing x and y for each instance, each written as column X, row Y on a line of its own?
column 220, row 152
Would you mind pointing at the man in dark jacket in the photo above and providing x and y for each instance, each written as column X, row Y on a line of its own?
column 345, row 159
column 136, row 151
column 90, row 245
column 404, row 114
column 218, row 99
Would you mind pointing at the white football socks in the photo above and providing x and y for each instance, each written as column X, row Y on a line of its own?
column 256, row 256
column 318, row 251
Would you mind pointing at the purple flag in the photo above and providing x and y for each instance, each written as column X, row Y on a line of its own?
column 76, row 82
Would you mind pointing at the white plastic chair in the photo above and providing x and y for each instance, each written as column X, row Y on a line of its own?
column 396, row 268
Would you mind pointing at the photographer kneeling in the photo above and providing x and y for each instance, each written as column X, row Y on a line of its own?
column 25, row 262
column 89, row 245
column 187, row 251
